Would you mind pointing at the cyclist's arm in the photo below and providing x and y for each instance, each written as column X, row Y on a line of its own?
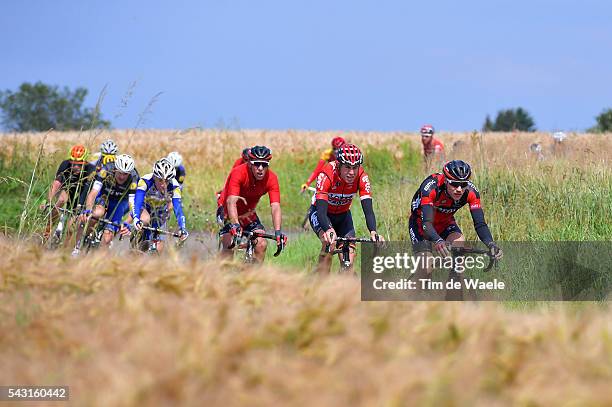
column 321, row 203
column 55, row 187
column 139, row 198
column 365, row 194
column 91, row 197
column 368, row 211
column 316, row 171
column 428, row 228
column 232, row 210
column 274, row 195
column 277, row 218
column 324, row 222
column 480, row 225
column 177, row 206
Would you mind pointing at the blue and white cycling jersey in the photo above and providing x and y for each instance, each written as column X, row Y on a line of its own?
column 154, row 201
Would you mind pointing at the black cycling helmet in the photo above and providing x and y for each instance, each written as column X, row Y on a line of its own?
column 457, row 170
column 260, row 153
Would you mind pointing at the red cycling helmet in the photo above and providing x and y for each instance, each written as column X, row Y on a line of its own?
column 337, row 142
column 349, row 154
column 427, row 130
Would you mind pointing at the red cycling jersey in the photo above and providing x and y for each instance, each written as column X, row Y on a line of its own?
column 326, row 157
column 238, row 162
column 434, row 146
column 433, row 192
column 241, row 182
column 338, row 193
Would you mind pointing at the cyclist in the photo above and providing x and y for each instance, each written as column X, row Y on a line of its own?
column 177, row 161
column 154, row 193
column 70, row 185
column 113, row 195
column 244, row 187
column 434, row 205
column 330, row 216
column 107, row 154
column 432, row 147
column 327, row 156
column 244, row 158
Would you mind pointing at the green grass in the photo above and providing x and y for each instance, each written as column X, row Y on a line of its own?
column 538, row 202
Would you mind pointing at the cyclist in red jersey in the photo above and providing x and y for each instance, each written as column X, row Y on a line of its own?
column 327, row 156
column 244, row 158
column 245, row 185
column 432, row 147
column 330, row 216
column 434, row 206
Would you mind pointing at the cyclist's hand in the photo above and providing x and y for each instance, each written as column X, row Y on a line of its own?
column 137, row 224
column 496, row 251
column 304, row 188
column 43, row 206
column 84, row 215
column 281, row 239
column 376, row 237
column 442, row 248
column 125, row 229
column 183, row 235
column 329, row 236
column 235, row 230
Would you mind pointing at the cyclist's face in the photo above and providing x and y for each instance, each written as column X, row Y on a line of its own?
column 161, row 184
column 425, row 138
column 76, row 167
column 121, row 177
column 456, row 191
column 259, row 169
column 348, row 173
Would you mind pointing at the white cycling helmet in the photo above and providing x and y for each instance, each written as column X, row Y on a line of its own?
column 124, row 163
column 164, row 169
column 109, row 147
column 175, row 158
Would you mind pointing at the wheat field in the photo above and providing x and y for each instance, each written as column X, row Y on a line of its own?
column 181, row 330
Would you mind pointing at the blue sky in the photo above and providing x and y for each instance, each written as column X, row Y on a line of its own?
column 315, row 64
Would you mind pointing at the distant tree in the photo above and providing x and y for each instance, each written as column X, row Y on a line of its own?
column 604, row 122
column 510, row 120
column 39, row 107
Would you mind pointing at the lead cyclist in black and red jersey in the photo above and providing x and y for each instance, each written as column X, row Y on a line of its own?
column 435, row 203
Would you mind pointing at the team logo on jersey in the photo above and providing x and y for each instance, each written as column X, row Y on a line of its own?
column 429, row 185
column 366, row 181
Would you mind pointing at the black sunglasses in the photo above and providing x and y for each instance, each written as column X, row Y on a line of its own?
column 263, row 164
column 456, row 184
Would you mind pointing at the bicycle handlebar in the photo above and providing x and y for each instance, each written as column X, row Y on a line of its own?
column 255, row 235
column 459, row 251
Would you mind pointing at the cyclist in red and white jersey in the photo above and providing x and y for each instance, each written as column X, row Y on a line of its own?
column 330, row 216
column 434, row 205
column 244, row 187
column 327, row 156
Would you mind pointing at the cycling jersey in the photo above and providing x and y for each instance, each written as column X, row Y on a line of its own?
column 241, row 182
column 70, row 179
column 327, row 156
column 338, row 193
column 238, row 162
column 103, row 162
column 108, row 187
column 150, row 198
column 432, row 203
column 434, row 146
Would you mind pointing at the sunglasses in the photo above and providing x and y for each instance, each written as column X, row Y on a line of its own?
column 456, row 184
column 263, row 164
